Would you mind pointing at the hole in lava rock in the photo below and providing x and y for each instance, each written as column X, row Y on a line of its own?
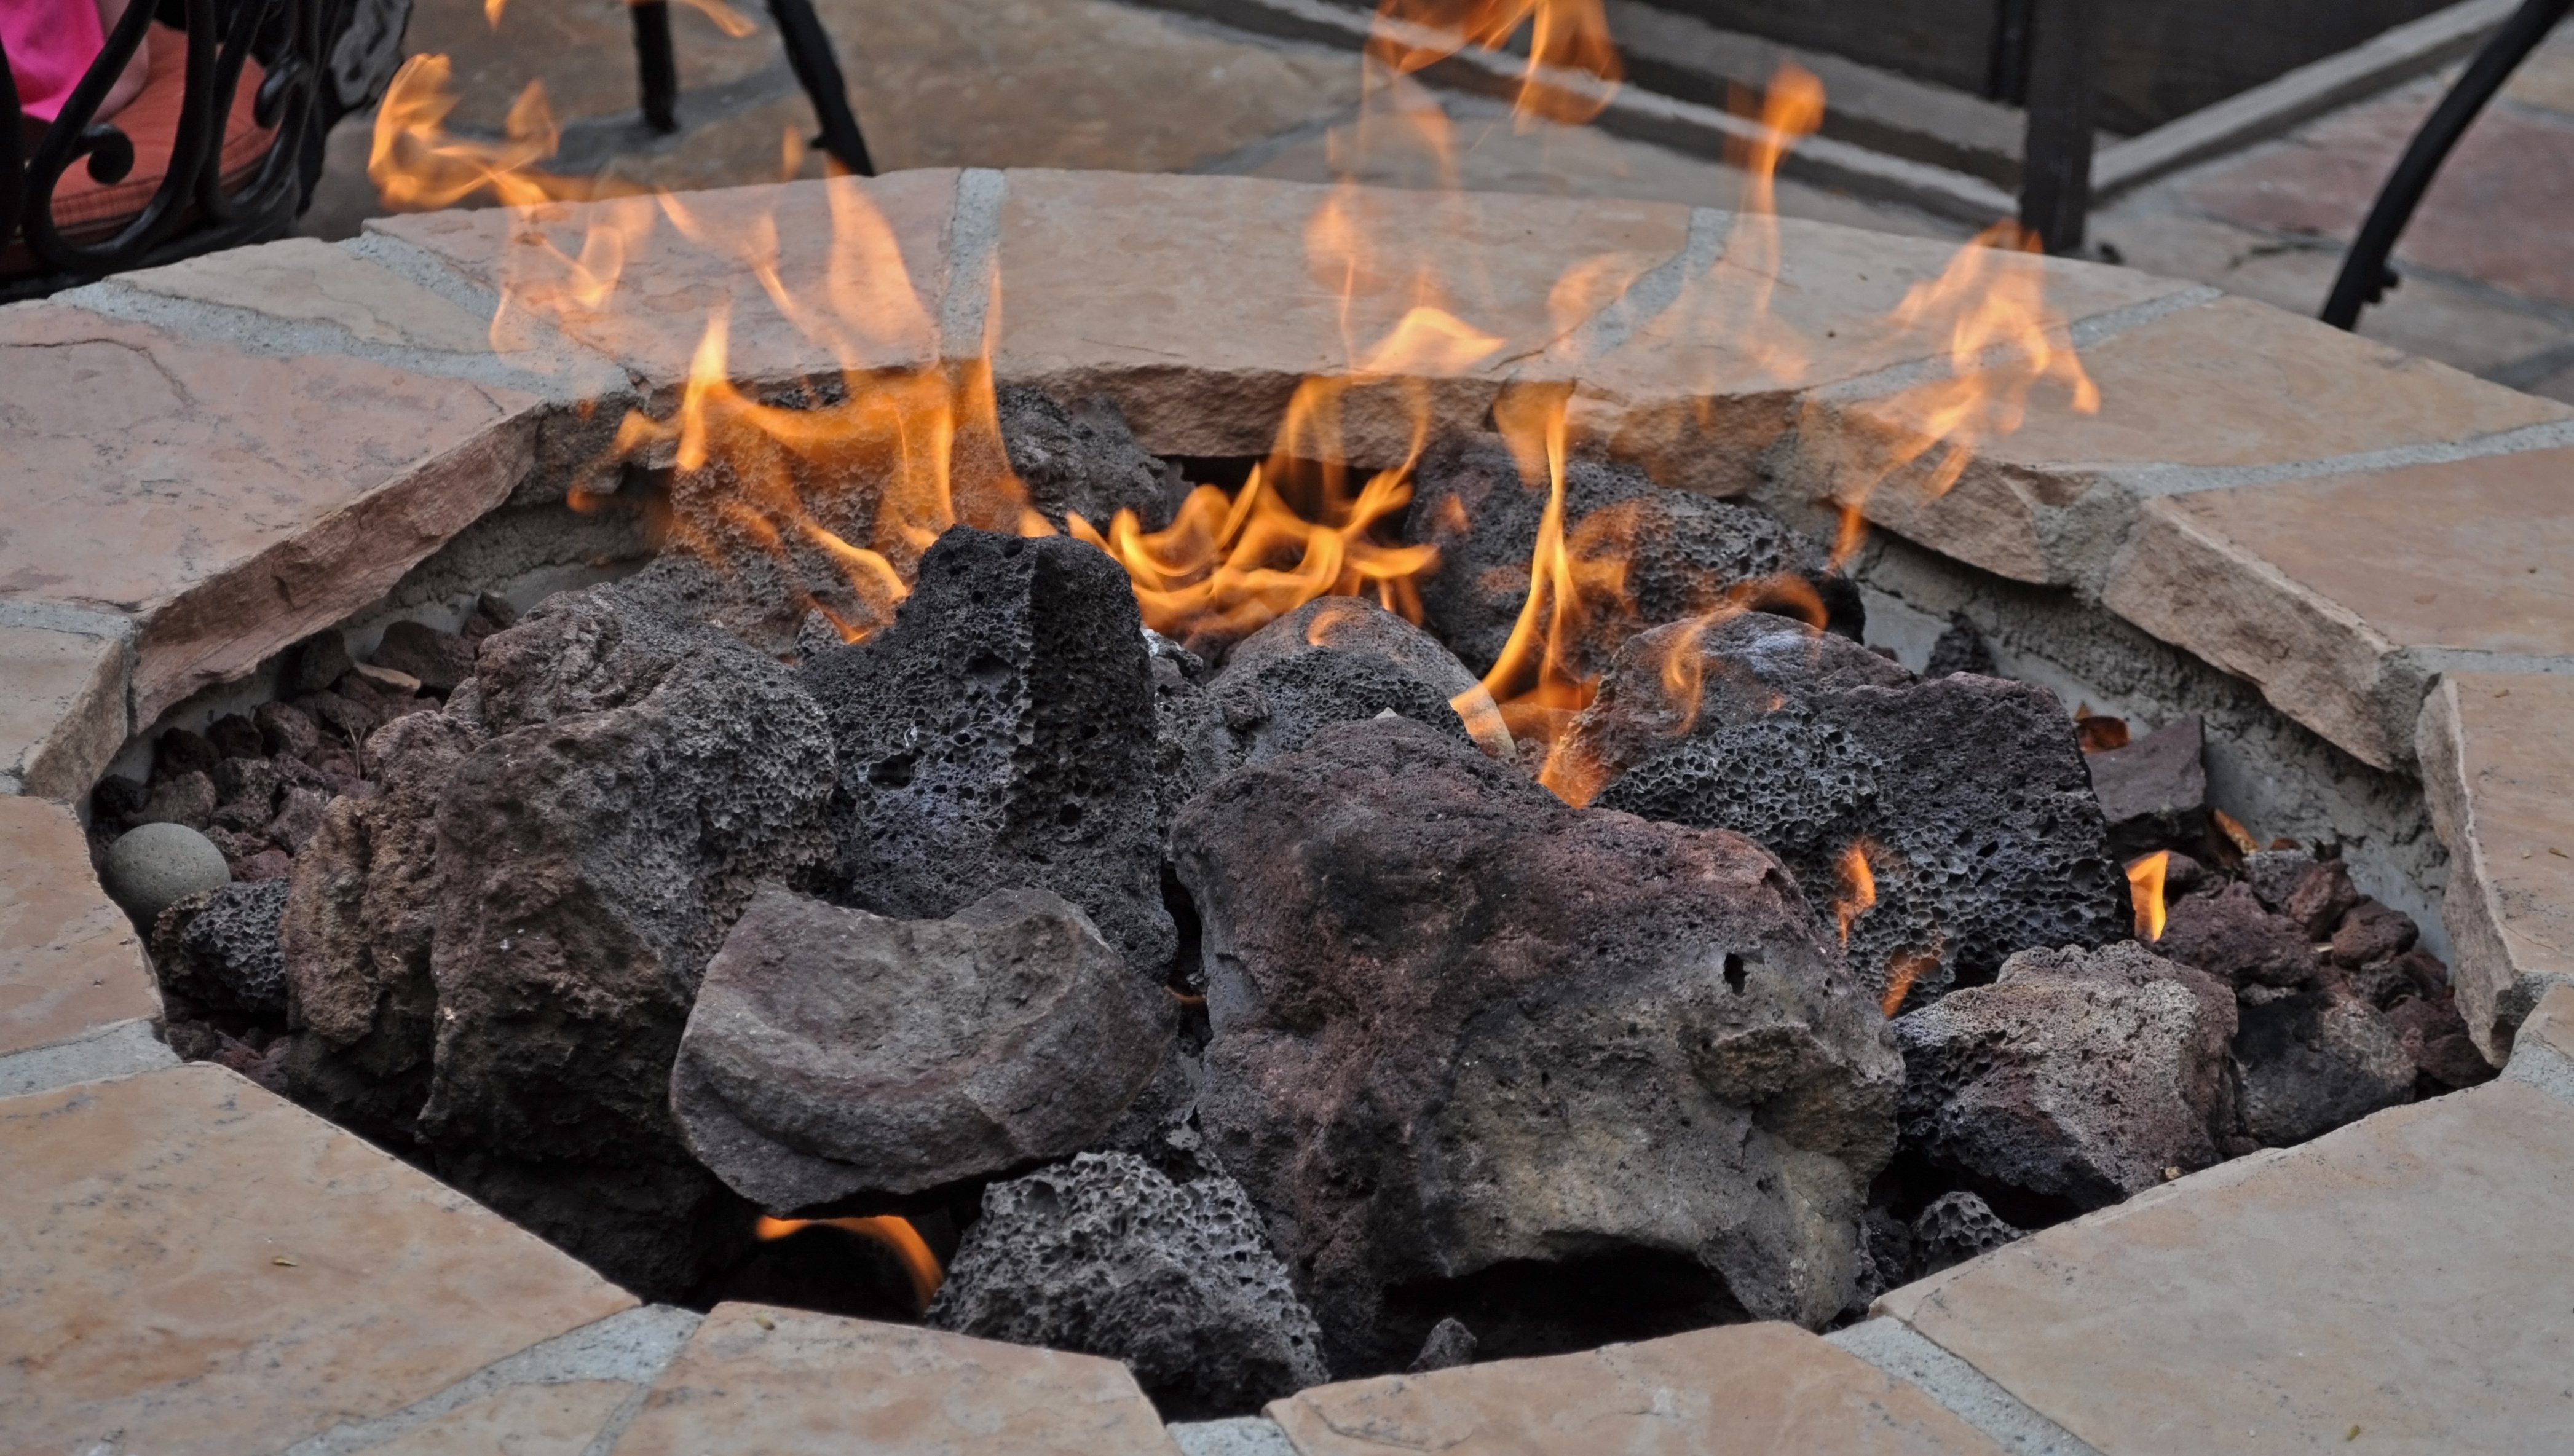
column 1523, row 1308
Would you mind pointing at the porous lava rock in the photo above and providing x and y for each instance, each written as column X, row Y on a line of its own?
column 1083, row 461
column 1683, row 554
column 1106, row 1257
column 641, row 778
column 2153, row 791
column 2371, row 932
column 1335, row 660
column 439, row 660
column 1956, row 1227
column 2078, row 1076
column 219, row 949
column 835, row 1051
column 2305, row 1062
column 2435, row 1037
column 1477, row 1050
column 1000, row 734
column 1966, row 797
column 2225, row 931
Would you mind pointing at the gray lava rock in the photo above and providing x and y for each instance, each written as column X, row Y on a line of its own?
column 440, row 659
column 1105, row 1256
column 1468, row 1038
column 2226, row 933
column 2153, row 791
column 2309, row 1062
column 1954, row 1228
column 2274, row 876
column 1356, row 628
column 1686, row 553
column 181, row 798
column 317, row 663
column 1450, row 1345
column 219, row 949
column 1967, row 796
column 642, row 777
column 834, row 1051
column 1001, row 734
column 2077, row 1076
column 1279, row 691
column 1084, row 461
column 155, row 866
column 1961, row 649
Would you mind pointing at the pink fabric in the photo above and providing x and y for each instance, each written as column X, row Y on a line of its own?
column 50, row 45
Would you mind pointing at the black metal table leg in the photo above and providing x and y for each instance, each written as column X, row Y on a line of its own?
column 2365, row 275
column 2064, row 100
column 655, row 65
column 808, row 51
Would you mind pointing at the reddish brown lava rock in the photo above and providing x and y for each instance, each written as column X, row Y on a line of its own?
column 1478, row 1053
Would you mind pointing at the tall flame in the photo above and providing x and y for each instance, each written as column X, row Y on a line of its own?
column 2146, row 893
column 1572, row 64
column 1858, row 889
column 896, row 1234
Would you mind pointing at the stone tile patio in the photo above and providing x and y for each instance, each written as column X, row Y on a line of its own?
column 184, row 1258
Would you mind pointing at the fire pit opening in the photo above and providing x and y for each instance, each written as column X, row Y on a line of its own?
column 1266, row 920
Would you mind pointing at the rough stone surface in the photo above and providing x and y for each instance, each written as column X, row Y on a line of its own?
column 220, row 950
column 158, row 863
column 1685, row 554
column 1954, row 1228
column 2153, row 791
column 2226, row 933
column 1334, row 659
column 1106, row 1257
column 197, row 1265
column 1719, row 1392
column 1083, row 461
column 1448, row 1345
column 63, row 716
column 1356, row 625
column 2309, row 1062
column 2402, row 1275
column 70, row 962
column 1967, row 796
column 1000, row 734
column 2498, row 773
column 1474, row 1045
column 2077, row 1076
column 2371, row 932
column 763, row 1381
column 438, row 661
column 834, row 1051
column 640, row 779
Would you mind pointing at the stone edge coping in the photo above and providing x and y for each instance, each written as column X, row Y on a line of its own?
column 200, row 302
column 2498, row 774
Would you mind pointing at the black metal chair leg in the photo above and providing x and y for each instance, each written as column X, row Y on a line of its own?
column 2365, row 275
column 655, row 65
column 808, row 51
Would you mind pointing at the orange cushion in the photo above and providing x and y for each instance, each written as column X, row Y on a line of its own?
column 87, row 209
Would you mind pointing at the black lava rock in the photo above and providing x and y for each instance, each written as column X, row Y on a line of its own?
column 1084, row 461
column 220, row 950
column 1000, row 734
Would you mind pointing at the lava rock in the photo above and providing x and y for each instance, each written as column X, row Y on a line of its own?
column 491, row 613
column 2153, row 791
column 1967, row 796
column 1686, row 555
column 317, row 662
column 298, row 819
column 219, row 949
column 1001, row 735
column 2435, row 1037
column 235, row 736
column 1084, row 461
column 437, row 659
column 2322, row 898
column 286, row 731
column 650, row 1220
column 2372, row 932
column 2227, row 933
column 1105, row 1256
column 1467, row 1037
column 246, row 792
column 1354, row 627
column 2411, row 976
column 180, row 799
column 178, row 751
column 2274, row 876
column 358, row 931
column 833, row 1052
column 1190, row 748
column 153, row 866
column 1961, row 649
column 642, row 777
column 1450, row 1345
column 1954, row 1228
column 2077, row 1076
column 2309, row 1062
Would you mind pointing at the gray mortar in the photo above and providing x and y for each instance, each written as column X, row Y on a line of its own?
column 1967, row 1392
column 118, row 1050
column 2274, row 775
column 973, row 247
column 1241, row 1436
column 633, row 1347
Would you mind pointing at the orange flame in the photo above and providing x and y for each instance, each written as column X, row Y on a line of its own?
column 894, row 1233
column 2145, row 892
column 1904, row 969
column 1859, row 891
column 1572, row 68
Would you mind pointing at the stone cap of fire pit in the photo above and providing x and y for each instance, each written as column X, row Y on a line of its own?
column 206, row 462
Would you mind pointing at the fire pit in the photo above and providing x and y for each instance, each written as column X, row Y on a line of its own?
column 814, row 817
